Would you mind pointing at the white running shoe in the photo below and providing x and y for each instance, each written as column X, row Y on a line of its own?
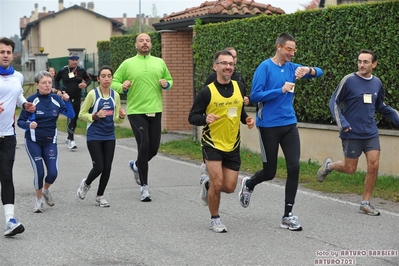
column 13, row 227
column 217, row 226
column 145, row 193
column 136, row 174
column 72, row 145
column 38, row 207
column 100, row 201
column 48, row 198
column 82, row 190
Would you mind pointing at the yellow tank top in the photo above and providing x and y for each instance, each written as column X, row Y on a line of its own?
column 224, row 133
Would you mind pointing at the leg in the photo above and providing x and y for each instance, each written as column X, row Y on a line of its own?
column 35, row 153
column 215, row 171
column 290, row 144
column 50, row 157
column 95, row 148
column 154, row 131
column 108, row 150
column 71, row 123
column 140, row 127
column 373, row 158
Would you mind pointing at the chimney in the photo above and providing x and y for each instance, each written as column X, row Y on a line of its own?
column 83, row 4
column 60, row 5
column 90, row 6
column 44, row 9
column 124, row 19
column 147, row 20
column 36, row 16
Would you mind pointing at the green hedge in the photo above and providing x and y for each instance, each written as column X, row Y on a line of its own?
column 329, row 38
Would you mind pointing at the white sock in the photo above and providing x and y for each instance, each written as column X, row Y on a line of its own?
column 44, row 190
column 39, row 200
column 9, row 211
column 135, row 167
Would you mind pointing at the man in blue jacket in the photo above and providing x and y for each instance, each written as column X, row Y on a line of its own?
column 273, row 89
column 361, row 95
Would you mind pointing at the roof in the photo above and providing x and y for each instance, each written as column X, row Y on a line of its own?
column 225, row 7
column 216, row 11
column 44, row 16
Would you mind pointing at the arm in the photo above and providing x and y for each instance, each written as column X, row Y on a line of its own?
column 197, row 114
column 117, row 117
column 86, row 105
column 260, row 92
column 166, row 76
column 86, row 78
column 23, row 120
column 57, row 80
column 118, row 78
column 335, row 108
column 387, row 111
column 68, row 110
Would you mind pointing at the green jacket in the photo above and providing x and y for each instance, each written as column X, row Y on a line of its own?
column 145, row 94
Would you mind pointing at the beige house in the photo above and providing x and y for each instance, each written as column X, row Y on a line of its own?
column 325, row 3
column 74, row 28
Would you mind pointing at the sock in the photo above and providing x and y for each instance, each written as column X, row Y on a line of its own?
column 135, row 167
column 39, row 200
column 8, row 211
column 44, row 190
column 249, row 186
column 215, row 217
column 365, row 202
column 328, row 167
column 288, row 209
column 207, row 185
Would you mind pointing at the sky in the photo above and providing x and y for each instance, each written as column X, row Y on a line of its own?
column 12, row 10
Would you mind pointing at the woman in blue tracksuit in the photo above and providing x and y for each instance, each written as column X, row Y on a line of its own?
column 41, row 135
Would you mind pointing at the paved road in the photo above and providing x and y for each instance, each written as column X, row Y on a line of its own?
column 173, row 228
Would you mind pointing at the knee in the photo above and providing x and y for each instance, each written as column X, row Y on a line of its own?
column 229, row 188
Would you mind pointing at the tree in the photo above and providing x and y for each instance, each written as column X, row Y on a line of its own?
column 154, row 11
column 313, row 4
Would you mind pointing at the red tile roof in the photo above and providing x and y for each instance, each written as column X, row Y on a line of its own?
column 225, row 7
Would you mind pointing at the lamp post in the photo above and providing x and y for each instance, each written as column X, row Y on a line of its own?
column 139, row 16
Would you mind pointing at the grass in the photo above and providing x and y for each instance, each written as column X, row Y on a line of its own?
column 387, row 187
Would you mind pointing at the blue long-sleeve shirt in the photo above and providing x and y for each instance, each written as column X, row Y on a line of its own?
column 275, row 108
column 360, row 98
column 48, row 108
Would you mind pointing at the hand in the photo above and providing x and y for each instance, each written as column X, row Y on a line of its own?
column 163, row 83
column 246, row 100
column 1, row 108
column 82, row 85
column 301, row 71
column 33, row 125
column 122, row 113
column 211, row 118
column 29, row 107
column 65, row 96
column 346, row 129
column 250, row 122
column 102, row 113
column 288, row 86
column 126, row 84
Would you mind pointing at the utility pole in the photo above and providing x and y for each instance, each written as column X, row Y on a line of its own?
column 139, row 16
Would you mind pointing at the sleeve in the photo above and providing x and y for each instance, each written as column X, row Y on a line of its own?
column 86, row 105
column 244, row 114
column 117, row 119
column 197, row 114
column 335, row 106
column 86, row 78
column 57, row 80
column 23, row 120
column 167, row 77
column 68, row 111
column 387, row 111
column 259, row 92
column 119, row 78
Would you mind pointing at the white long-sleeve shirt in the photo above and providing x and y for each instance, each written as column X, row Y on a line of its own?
column 11, row 95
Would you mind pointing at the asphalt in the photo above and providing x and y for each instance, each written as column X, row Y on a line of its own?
column 173, row 228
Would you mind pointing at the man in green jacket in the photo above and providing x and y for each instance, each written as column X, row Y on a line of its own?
column 143, row 77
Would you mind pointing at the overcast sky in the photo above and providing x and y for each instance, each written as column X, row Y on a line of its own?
column 12, row 10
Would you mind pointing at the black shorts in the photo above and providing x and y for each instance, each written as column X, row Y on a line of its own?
column 230, row 160
column 353, row 148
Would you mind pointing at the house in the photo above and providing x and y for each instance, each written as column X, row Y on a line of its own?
column 76, row 28
column 325, row 3
column 177, row 37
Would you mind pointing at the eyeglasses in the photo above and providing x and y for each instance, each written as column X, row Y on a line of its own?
column 289, row 49
column 224, row 63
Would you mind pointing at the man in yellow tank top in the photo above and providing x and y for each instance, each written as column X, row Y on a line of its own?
column 219, row 108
